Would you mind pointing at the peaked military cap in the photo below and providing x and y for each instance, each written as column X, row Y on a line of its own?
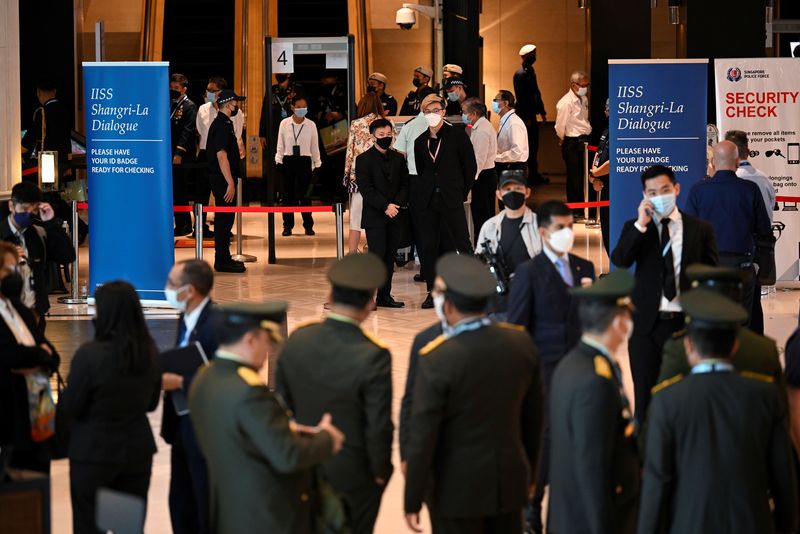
column 425, row 71
column 378, row 77
column 614, row 288
column 465, row 275
column 706, row 275
column 254, row 314
column 362, row 272
column 707, row 309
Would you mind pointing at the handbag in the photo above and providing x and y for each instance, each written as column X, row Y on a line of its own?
column 41, row 407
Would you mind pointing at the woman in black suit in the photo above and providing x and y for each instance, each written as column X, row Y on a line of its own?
column 113, row 382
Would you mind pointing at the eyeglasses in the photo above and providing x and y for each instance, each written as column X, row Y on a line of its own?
column 429, row 111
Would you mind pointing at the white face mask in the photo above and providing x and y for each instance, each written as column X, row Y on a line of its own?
column 663, row 204
column 172, row 297
column 433, row 119
column 438, row 305
column 582, row 91
column 561, row 240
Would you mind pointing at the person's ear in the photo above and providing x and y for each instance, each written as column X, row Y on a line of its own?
column 528, row 192
column 677, row 189
column 498, row 194
column 11, row 206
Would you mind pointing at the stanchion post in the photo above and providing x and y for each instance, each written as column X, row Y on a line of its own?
column 338, row 209
column 271, row 256
column 586, row 182
column 239, row 256
column 198, row 227
column 74, row 297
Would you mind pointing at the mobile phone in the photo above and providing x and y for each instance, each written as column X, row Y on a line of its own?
column 793, row 154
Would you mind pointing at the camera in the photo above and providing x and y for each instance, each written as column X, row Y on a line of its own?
column 405, row 18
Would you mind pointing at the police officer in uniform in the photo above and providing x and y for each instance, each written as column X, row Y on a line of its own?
column 529, row 105
column 50, row 130
column 259, row 462
column 183, row 122
column 594, row 471
column 411, row 104
column 376, row 83
column 336, row 366
column 475, row 421
column 718, row 455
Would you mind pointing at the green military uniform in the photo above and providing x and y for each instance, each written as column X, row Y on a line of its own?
column 336, row 367
column 476, row 417
column 594, row 469
column 259, row 468
column 718, row 449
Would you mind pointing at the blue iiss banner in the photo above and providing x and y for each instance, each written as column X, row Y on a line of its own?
column 129, row 165
column 657, row 115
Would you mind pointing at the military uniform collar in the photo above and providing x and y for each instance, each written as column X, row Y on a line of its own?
column 231, row 357
column 599, row 347
column 344, row 319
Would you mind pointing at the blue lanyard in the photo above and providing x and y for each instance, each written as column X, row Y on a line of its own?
column 713, row 366
column 468, row 326
column 503, row 123
column 744, row 164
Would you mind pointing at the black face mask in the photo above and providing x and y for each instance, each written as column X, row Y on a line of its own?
column 514, row 200
column 529, row 60
column 371, row 89
column 11, row 286
column 384, row 142
column 235, row 111
column 280, row 78
column 174, row 95
column 416, row 82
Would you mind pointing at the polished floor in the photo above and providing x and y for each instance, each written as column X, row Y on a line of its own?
column 299, row 277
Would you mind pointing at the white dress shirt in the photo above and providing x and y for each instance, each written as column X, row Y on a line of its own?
column 190, row 321
column 304, row 134
column 15, row 323
column 572, row 116
column 206, row 115
column 748, row 172
column 512, row 139
column 409, row 133
column 484, row 143
column 676, row 243
column 28, row 296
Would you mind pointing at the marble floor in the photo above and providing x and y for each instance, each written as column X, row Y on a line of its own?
column 299, row 277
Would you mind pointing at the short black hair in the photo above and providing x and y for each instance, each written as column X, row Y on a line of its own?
column 466, row 304
column 46, row 84
column 508, row 96
column 228, row 334
column 657, row 170
column 179, row 78
column 550, row 209
column 474, row 105
column 597, row 315
column 219, row 81
column 298, row 98
column 739, row 138
column 712, row 342
column 351, row 297
column 198, row 274
column 26, row 193
column 379, row 123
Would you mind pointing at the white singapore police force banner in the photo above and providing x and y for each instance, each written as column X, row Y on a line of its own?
column 657, row 115
column 129, row 165
column 761, row 96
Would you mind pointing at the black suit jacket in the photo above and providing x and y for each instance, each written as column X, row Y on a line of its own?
column 105, row 408
column 382, row 180
column 644, row 249
column 540, row 301
column 475, row 423
column 205, row 331
column 452, row 174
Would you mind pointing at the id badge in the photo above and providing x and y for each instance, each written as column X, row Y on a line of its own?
column 296, row 150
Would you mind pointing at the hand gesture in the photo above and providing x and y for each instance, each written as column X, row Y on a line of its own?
column 46, row 212
column 412, row 520
column 645, row 212
column 230, row 192
column 176, row 160
column 597, row 185
column 171, row 382
column 392, row 210
column 337, row 437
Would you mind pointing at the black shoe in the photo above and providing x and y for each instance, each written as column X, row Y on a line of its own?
column 388, row 302
column 428, row 303
column 310, row 231
column 182, row 231
column 207, row 234
column 230, row 266
column 286, row 232
column 418, row 278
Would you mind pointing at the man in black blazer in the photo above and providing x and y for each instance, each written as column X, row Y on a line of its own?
column 337, row 367
column 188, row 289
column 662, row 242
column 446, row 170
column 382, row 178
column 541, row 302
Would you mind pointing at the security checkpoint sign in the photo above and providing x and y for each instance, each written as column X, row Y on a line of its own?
column 282, row 57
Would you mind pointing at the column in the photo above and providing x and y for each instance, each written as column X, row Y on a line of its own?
column 10, row 140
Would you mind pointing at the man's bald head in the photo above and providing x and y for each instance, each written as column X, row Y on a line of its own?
column 726, row 156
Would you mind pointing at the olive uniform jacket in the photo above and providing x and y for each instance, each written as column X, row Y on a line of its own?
column 475, row 423
column 259, row 469
column 594, row 470
column 717, row 450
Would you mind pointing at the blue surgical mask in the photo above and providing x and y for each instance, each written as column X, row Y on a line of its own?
column 24, row 219
column 211, row 96
column 452, row 97
column 495, row 106
column 663, row 204
column 300, row 112
column 465, row 118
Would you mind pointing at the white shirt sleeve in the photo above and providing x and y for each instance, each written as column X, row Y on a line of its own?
column 279, row 149
column 562, row 112
column 518, row 136
column 203, row 123
column 316, row 161
column 238, row 125
column 482, row 145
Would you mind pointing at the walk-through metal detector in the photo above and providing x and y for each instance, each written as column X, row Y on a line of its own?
column 279, row 53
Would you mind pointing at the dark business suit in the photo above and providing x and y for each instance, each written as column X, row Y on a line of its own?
column 594, row 471
column 382, row 180
column 15, row 423
column 51, row 130
column 188, row 487
column 717, row 453
column 335, row 367
column 475, row 428
column 540, row 301
column 650, row 330
column 438, row 192
column 111, row 444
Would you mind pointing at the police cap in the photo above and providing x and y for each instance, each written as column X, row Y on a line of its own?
column 227, row 95
column 465, row 275
column 614, row 288
column 361, row 272
column 453, row 81
column 453, row 69
column 527, row 49
column 378, row 77
column 425, row 71
column 707, row 309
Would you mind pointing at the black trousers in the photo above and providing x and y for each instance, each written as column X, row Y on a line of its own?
column 188, row 484
column 296, row 181
column 572, row 152
column 223, row 221
column 500, row 524
column 180, row 195
column 532, row 125
column 85, row 479
column 202, row 185
column 361, row 506
column 483, row 199
column 757, row 313
column 644, row 352
column 435, row 221
column 383, row 242
column 604, row 222
column 744, row 263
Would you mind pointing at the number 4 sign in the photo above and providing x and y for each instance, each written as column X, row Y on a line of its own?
column 282, row 58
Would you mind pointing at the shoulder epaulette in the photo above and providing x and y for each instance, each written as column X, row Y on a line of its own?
column 602, row 367
column 305, row 324
column 666, row 383
column 510, row 326
column 372, row 337
column 251, row 377
column 757, row 376
column 679, row 333
column 424, row 351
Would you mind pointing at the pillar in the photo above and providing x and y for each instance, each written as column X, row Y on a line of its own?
column 10, row 153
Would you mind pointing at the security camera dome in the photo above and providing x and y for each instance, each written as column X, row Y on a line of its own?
column 405, row 18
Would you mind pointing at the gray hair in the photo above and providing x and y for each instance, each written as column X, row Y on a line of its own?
column 577, row 76
column 474, row 105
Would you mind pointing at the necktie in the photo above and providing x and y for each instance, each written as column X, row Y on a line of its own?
column 564, row 271
column 668, row 273
column 182, row 333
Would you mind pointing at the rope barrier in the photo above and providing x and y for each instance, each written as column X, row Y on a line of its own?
column 32, row 170
column 581, row 205
column 245, row 209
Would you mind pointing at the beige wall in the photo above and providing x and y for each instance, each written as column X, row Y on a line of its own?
column 10, row 155
column 663, row 36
